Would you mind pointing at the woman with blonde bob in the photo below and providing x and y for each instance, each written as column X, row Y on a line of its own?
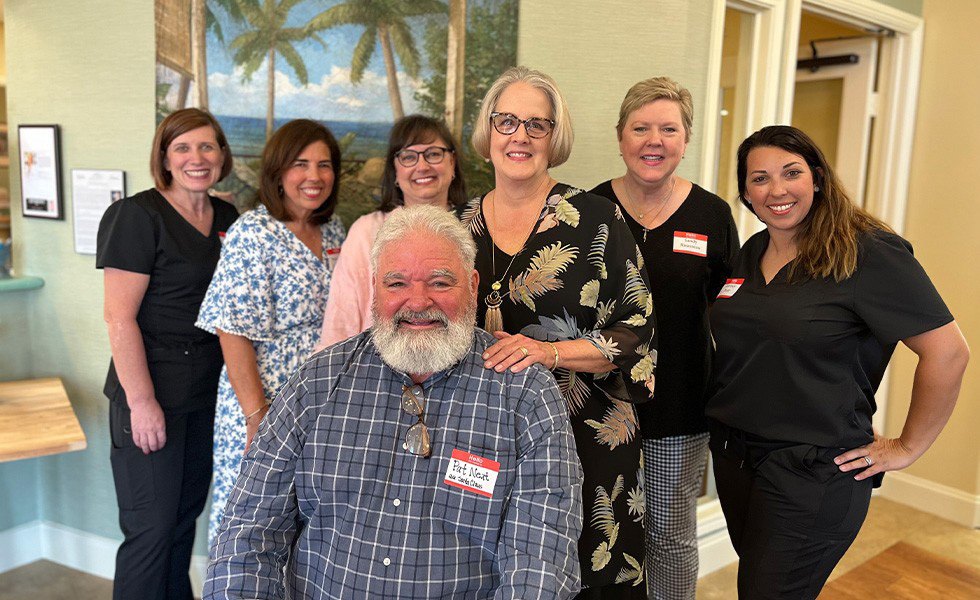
column 688, row 240
column 560, row 285
column 805, row 327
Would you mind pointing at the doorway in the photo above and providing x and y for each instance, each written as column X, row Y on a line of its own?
column 835, row 99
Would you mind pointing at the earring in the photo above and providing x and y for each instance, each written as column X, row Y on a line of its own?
column 816, row 188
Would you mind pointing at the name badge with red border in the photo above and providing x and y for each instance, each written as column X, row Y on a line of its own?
column 332, row 255
column 731, row 286
column 472, row 473
column 690, row 243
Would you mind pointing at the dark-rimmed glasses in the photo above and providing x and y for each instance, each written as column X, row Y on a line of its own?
column 417, row 437
column 433, row 156
column 507, row 124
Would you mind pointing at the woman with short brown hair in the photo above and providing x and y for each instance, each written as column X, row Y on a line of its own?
column 159, row 249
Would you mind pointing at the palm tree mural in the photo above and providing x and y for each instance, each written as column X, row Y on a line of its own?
column 266, row 37
column 384, row 22
column 203, row 18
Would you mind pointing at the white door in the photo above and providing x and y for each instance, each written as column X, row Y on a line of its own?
column 835, row 105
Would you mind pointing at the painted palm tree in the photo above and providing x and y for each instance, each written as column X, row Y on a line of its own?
column 204, row 18
column 266, row 37
column 384, row 22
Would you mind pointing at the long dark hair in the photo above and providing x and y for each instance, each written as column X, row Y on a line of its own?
column 280, row 151
column 408, row 131
column 826, row 240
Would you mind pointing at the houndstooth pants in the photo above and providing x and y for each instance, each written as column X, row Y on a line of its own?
column 673, row 470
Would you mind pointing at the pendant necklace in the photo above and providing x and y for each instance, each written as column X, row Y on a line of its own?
column 493, row 320
column 663, row 205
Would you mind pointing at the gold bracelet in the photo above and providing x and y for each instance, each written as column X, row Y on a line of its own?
column 555, row 349
column 248, row 417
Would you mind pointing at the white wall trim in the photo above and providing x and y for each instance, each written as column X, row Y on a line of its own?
column 934, row 498
column 73, row 548
column 714, row 546
column 20, row 546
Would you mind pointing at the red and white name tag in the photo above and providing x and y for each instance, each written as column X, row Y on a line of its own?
column 731, row 286
column 472, row 473
column 221, row 236
column 686, row 242
column 332, row 255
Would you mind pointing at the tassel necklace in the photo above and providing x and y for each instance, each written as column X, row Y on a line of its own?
column 663, row 204
column 494, row 320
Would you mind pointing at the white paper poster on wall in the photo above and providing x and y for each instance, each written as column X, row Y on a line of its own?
column 92, row 191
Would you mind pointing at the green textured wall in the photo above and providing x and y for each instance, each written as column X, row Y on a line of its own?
column 910, row 6
column 88, row 66
column 597, row 51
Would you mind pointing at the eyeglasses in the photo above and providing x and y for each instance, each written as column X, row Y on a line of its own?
column 507, row 124
column 433, row 156
column 417, row 437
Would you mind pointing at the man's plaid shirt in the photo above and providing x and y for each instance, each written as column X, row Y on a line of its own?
column 329, row 504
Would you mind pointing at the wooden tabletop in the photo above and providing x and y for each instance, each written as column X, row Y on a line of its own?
column 36, row 419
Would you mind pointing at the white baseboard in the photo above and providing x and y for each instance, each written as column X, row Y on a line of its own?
column 21, row 546
column 941, row 500
column 714, row 546
column 74, row 548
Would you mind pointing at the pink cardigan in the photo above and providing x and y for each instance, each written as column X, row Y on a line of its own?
column 348, row 311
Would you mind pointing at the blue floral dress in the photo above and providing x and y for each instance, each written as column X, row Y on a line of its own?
column 270, row 288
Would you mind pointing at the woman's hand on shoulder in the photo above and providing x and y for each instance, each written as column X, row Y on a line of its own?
column 883, row 454
column 148, row 425
column 516, row 352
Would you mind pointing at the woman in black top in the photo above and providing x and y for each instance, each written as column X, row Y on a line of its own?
column 159, row 250
column 804, row 329
column 688, row 240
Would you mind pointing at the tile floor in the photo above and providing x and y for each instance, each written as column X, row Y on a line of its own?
column 887, row 523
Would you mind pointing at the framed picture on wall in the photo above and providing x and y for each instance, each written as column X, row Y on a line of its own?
column 40, row 171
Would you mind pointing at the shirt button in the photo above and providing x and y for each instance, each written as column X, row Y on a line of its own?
column 396, row 502
column 186, row 353
column 386, row 561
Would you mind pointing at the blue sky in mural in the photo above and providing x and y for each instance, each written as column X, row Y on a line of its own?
column 330, row 95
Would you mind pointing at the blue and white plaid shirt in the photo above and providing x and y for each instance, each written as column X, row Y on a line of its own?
column 329, row 504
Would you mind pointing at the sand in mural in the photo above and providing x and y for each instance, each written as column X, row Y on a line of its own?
column 355, row 65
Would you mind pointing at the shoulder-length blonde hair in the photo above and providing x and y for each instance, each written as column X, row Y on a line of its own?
column 560, row 145
column 827, row 238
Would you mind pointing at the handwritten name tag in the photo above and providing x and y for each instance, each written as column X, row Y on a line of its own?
column 472, row 473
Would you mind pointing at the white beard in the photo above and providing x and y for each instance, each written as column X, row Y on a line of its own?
column 417, row 352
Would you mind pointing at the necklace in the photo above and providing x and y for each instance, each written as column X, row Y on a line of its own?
column 640, row 214
column 494, row 320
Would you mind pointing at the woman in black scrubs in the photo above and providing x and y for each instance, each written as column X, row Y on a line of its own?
column 804, row 329
column 159, row 250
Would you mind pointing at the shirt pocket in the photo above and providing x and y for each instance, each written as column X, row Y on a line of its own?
column 465, row 514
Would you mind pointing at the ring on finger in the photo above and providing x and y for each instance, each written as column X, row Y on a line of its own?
column 524, row 351
column 868, row 460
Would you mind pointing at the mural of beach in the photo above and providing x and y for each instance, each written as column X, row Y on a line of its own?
column 354, row 65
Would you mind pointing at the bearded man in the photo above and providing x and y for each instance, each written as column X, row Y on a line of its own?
column 394, row 465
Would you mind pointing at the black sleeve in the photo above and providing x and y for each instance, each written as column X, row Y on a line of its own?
column 126, row 238
column 721, row 269
column 893, row 294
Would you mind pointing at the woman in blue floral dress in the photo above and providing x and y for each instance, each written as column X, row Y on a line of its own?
column 266, row 300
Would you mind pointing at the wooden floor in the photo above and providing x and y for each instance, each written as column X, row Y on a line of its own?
column 906, row 572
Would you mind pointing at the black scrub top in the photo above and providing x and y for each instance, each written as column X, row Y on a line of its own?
column 684, row 280
column 145, row 234
column 800, row 362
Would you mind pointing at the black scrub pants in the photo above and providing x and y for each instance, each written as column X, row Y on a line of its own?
column 160, row 496
column 791, row 512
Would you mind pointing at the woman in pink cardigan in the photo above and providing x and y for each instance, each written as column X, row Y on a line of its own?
column 421, row 167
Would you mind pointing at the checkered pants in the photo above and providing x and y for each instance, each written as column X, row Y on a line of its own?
column 673, row 472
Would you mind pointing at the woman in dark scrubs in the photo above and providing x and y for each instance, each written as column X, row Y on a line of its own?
column 804, row 329
column 159, row 250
